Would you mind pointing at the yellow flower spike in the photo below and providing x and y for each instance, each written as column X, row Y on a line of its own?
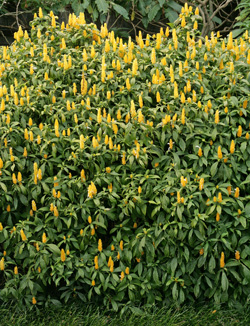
column 56, row 214
column 222, row 260
column 232, row 147
column 201, row 184
column 23, row 236
column 200, row 152
column 53, row 21
column 39, row 33
column 132, row 109
column 19, row 177
column 100, row 245
column 111, row 267
column 122, row 275
column 2, row 264
column 127, row 270
column 1, row 227
column 54, row 193
column 39, row 140
column 176, row 94
column 183, row 116
column 216, row 117
column 14, row 180
column 139, row 190
column 81, row 142
column 128, row 84
column 121, row 245
column 63, row 255
column 109, row 118
column 239, row 132
column 39, row 174
column 110, row 143
column 183, row 99
column 237, row 255
column 92, row 190
column 108, row 169
column 230, row 41
column 158, row 97
column 15, row 270
column 44, row 238
column 96, row 262
column 40, row 12
column 183, row 22
column 219, row 152
column 33, row 204
column 153, row 56
column 183, row 181
column 25, row 153
column 237, row 192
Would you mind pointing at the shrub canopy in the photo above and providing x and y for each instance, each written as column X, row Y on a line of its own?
column 124, row 166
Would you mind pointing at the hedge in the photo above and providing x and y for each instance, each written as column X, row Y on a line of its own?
column 124, row 166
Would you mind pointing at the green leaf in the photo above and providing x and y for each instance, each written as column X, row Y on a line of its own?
column 224, row 282
column 247, row 209
column 153, row 12
column 175, row 292
column 173, row 265
column 114, row 305
column 54, row 248
column 156, row 277
column 214, row 169
column 121, row 11
column 182, row 145
column 174, row 5
column 161, row 2
column 102, row 6
column 211, row 265
column 23, row 199
column 246, row 273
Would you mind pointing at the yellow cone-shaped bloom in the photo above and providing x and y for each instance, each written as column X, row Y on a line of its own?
column 100, row 245
column 44, row 238
column 219, row 152
column 23, row 236
column 232, row 147
column 2, row 264
column 222, row 260
column 63, row 256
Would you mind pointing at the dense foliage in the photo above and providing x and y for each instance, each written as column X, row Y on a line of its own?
column 124, row 167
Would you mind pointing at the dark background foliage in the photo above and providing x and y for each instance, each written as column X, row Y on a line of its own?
column 125, row 17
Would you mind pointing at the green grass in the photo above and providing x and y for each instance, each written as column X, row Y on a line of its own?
column 87, row 315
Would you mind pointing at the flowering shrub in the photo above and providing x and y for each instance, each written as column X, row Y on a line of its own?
column 124, row 168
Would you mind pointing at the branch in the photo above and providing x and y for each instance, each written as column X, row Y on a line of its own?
column 17, row 21
column 4, row 2
column 226, row 2
column 5, row 37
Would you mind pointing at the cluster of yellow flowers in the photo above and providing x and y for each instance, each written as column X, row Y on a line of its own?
column 111, row 108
